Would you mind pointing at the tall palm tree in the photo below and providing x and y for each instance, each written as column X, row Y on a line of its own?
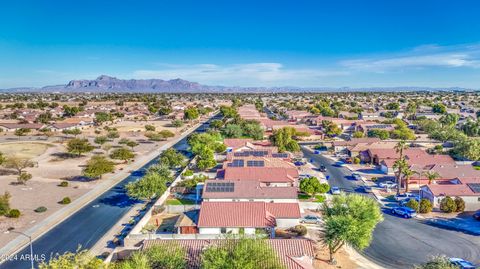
column 407, row 174
column 431, row 175
column 401, row 163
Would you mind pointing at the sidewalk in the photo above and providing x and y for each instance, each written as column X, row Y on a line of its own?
column 50, row 222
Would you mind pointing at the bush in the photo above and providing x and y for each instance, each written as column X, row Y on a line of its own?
column 188, row 173
column 460, row 203
column 374, row 179
column 448, row 205
column 299, row 230
column 356, row 160
column 65, row 201
column 320, row 198
column 63, row 184
column 413, row 204
column 14, row 213
column 425, row 206
column 324, row 188
column 40, row 209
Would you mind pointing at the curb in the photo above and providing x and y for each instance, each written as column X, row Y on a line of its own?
column 361, row 260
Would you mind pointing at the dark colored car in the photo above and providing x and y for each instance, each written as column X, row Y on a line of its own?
column 405, row 212
column 322, row 168
column 476, row 215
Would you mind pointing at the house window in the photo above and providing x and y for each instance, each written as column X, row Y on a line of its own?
column 223, row 230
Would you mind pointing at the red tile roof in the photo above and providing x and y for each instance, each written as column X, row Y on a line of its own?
column 236, row 142
column 245, row 214
column 262, row 174
column 247, row 189
column 451, row 190
column 291, row 252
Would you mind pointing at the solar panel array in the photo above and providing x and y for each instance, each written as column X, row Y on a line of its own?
column 475, row 187
column 280, row 155
column 220, row 187
column 236, row 163
column 378, row 126
column 256, row 153
column 255, row 163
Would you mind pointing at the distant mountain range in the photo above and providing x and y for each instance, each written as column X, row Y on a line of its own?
column 106, row 83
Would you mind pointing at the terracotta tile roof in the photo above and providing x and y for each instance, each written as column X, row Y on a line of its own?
column 236, row 142
column 466, row 173
column 451, row 190
column 293, row 253
column 356, row 141
column 22, row 125
column 246, row 189
column 262, row 174
column 267, row 161
column 284, row 210
column 235, row 214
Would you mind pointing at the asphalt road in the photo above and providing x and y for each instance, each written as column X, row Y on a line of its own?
column 398, row 242
column 89, row 224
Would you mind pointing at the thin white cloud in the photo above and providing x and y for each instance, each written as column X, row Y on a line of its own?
column 421, row 57
column 250, row 74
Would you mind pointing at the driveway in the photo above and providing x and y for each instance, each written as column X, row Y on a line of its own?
column 402, row 243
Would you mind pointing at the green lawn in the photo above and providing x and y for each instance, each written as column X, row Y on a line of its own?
column 179, row 202
column 303, row 196
column 477, row 167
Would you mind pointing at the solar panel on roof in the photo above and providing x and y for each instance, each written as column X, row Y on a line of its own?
column 255, row 163
column 280, row 155
column 475, row 187
column 220, row 187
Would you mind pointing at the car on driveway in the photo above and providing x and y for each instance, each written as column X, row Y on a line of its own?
column 387, row 184
column 476, row 215
column 335, row 190
column 461, row 263
column 299, row 163
column 356, row 176
column 403, row 196
column 406, row 200
column 311, row 219
column 404, row 211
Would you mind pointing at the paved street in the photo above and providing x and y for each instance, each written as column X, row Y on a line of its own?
column 90, row 223
column 398, row 242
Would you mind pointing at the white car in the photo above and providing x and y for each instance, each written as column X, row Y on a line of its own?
column 335, row 190
column 357, row 176
column 387, row 184
column 404, row 196
column 461, row 263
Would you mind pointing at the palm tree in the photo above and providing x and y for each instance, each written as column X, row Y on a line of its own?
column 401, row 163
column 407, row 174
column 431, row 175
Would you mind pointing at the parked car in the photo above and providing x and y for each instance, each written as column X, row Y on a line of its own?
column 356, row 176
column 316, row 152
column 366, row 189
column 387, row 184
column 340, row 164
column 322, row 168
column 299, row 163
column 406, row 200
column 476, row 215
column 405, row 212
column 335, row 190
column 403, row 196
column 311, row 219
column 461, row 263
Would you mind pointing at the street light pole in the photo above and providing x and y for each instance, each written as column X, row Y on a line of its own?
column 11, row 229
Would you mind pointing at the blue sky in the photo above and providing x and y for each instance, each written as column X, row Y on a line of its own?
column 244, row 43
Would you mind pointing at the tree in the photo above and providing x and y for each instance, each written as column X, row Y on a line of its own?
column 23, row 178
column 460, row 204
column 448, row 205
column 228, row 112
column 150, row 186
column 449, row 119
column 310, row 185
column 216, row 124
column 393, row 106
column 431, row 176
column 425, row 206
column 330, row 128
column 101, row 117
column 253, row 130
column 172, row 158
column 382, row 134
column 401, row 164
column 413, row 204
column 79, row 146
column 283, row 139
column 113, row 134
column 5, row 203
column 240, row 253
column 21, row 132
column 350, row 219
column 132, row 144
column 437, row 262
column 122, row 154
column 100, row 140
column 191, row 113
column 165, row 256
column 357, row 134
column 81, row 259
column 407, row 174
column 98, row 166
column 439, row 108
column 74, row 131
column 233, row 131
column 468, row 148
column 18, row 164
column 177, row 123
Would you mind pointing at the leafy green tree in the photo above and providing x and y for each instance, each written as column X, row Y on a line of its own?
column 81, row 259
column 283, row 139
column 98, row 166
column 172, row 158
column 5, row 203
column 350, row 219
column 100, row 140
column 23, row 178
column 425, row 206
column 310, row 185
column 165, row 256
column 44, row 118
column 330, row 128
column 468, row 148
column 393, row 106
column 132, row 144
column 148, row 187
column 191, row 113
column 449, row 119
column 253, row 130
column 437, row 262
column 228, row 112
column 431, row 176
column 74, row 131
column 79, row 146
column 21, row 132
column 216, row 124
column 382, row 134
column 122, row 154
column 439, row 108
column 17, row 163
column 101, row 117
column 241, row 253
column 233, row 131
column 357, row 134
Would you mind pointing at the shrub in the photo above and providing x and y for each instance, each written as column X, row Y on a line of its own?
column 425, row 206
column 320, row 198
column 65, row 201
column 40, row 209
column 299, row 230
column 5, row 203
column 63, row 184
column 356, row 160
column 374, row 179
column 413, row 204
column 448, row 205
column 188, row 173
column 460, row 203
column 324, row 188
column 14, row 213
